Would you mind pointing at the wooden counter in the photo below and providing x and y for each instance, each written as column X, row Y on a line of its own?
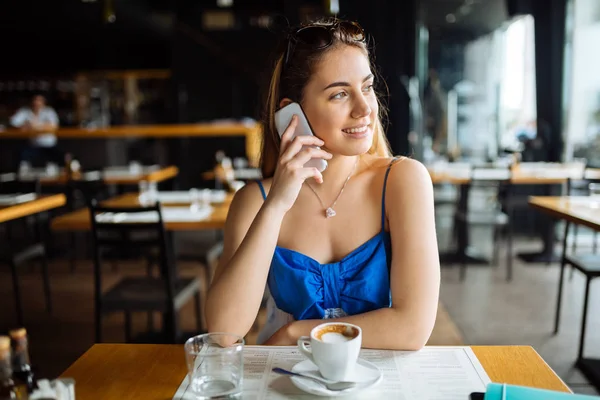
column 250, row 131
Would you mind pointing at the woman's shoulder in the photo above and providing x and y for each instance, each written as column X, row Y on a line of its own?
column 393, row 163
column 403, row 171
column 408, row 175
column 250, row 195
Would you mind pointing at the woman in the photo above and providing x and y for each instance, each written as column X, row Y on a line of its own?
column 373, row 263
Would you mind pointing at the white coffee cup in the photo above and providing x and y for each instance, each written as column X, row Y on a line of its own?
column 334, row 348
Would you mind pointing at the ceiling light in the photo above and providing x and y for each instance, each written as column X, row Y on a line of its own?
column 224, row 3
column 450, row 18
column 464, row 9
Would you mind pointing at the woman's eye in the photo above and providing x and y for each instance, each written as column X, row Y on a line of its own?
column 339, row 95
column 368, row 88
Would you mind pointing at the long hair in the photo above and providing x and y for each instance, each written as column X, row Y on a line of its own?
column 290, row 82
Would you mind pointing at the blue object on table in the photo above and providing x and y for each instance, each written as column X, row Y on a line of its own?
column 499, row 391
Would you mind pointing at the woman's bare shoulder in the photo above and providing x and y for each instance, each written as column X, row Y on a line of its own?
column 408, row 175
column 381, row 164
column 249, row 198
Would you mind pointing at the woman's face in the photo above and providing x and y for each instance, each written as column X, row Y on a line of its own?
column 340, row 103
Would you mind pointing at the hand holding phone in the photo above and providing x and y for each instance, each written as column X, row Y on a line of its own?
column 283, row 118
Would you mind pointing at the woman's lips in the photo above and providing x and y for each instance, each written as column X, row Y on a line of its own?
column 358, row 133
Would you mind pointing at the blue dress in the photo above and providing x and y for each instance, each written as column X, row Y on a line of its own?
column 299, row 287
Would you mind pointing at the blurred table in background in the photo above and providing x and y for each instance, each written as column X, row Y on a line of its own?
column 79, row 220
column 36, row 205
column 111, row 175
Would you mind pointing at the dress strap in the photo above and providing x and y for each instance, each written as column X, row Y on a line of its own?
column 387, row 172
column 262, row 189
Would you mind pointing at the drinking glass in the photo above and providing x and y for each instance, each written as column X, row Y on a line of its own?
column 143, row 193
column 135, row 168
column 52, row 169
column 594, row 189
column 195, row 202
column 215, row 365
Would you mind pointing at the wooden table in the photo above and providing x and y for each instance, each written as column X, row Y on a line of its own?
column 116, row 371
column 581, row 211
column 155, row 175
column 40, row 204
column 79, row 220
column 553, row 175
column 518, row 176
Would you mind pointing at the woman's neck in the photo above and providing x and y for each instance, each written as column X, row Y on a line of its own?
column 337, row 172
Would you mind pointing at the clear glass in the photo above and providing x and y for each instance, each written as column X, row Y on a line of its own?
column 52, row 169
column 215, row 365
column 24, row 168
column 143, row 193
column 135, row 167
column 195, row 202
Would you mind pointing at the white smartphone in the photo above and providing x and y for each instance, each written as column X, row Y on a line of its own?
column 283, row 117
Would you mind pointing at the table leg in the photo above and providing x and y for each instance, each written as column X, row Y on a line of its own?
column 463, row 252
column 561, row 278
column 548, row 235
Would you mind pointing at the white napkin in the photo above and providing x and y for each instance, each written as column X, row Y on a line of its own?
column 170, row 214
column 58, row 389
column 9, row 199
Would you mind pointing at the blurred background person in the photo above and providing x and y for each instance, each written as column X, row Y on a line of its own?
column 43, row 120
column 435, row 113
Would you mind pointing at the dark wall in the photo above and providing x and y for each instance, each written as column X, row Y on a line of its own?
column 70, row 35
column 549, row 18
column 392, row 26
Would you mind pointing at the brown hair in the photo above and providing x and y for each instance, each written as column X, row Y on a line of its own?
column 290, row 82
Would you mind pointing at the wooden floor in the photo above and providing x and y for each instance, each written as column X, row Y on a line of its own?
column 57, row 340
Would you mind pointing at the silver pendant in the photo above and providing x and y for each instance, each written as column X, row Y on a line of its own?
column 329, row 212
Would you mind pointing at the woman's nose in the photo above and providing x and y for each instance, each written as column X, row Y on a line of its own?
column 362, row 109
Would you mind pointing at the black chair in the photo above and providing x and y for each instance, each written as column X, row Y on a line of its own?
column 27, row 246
column 580, row 187
column 79, row 194
column 166, row 293
column 589, row 265
column 495, row 179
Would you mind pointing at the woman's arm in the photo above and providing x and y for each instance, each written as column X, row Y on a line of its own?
column 415, row 269
column 251, row 233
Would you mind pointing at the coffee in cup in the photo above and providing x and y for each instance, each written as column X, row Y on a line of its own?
column 334, row 348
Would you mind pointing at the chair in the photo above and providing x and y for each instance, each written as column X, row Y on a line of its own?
column 487, row 178
column 166, row 294
column 16, row 252
column 580, row 187
column 589, row 265
column 80, row 193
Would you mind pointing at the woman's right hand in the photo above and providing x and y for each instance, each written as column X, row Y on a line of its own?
column 290, row 173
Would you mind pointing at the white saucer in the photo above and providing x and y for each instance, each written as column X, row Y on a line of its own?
column 366, row 374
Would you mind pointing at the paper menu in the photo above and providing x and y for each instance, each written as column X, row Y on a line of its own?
column 433, row 373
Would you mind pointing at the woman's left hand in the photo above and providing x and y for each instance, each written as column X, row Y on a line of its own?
column 282, row 337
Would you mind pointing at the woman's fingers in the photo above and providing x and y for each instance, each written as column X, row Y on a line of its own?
column 306, row 155
column 296, row 146
column 306, row 173
column 288, row 134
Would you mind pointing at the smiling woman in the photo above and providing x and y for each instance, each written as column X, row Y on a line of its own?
column 371, row 259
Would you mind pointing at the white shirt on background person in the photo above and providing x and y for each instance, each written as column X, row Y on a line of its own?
column 46, row 115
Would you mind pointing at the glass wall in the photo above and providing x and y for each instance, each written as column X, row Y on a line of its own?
column 582, row 77
column 480, row 102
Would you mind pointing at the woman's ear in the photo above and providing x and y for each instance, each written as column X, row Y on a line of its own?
column 285, row 102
